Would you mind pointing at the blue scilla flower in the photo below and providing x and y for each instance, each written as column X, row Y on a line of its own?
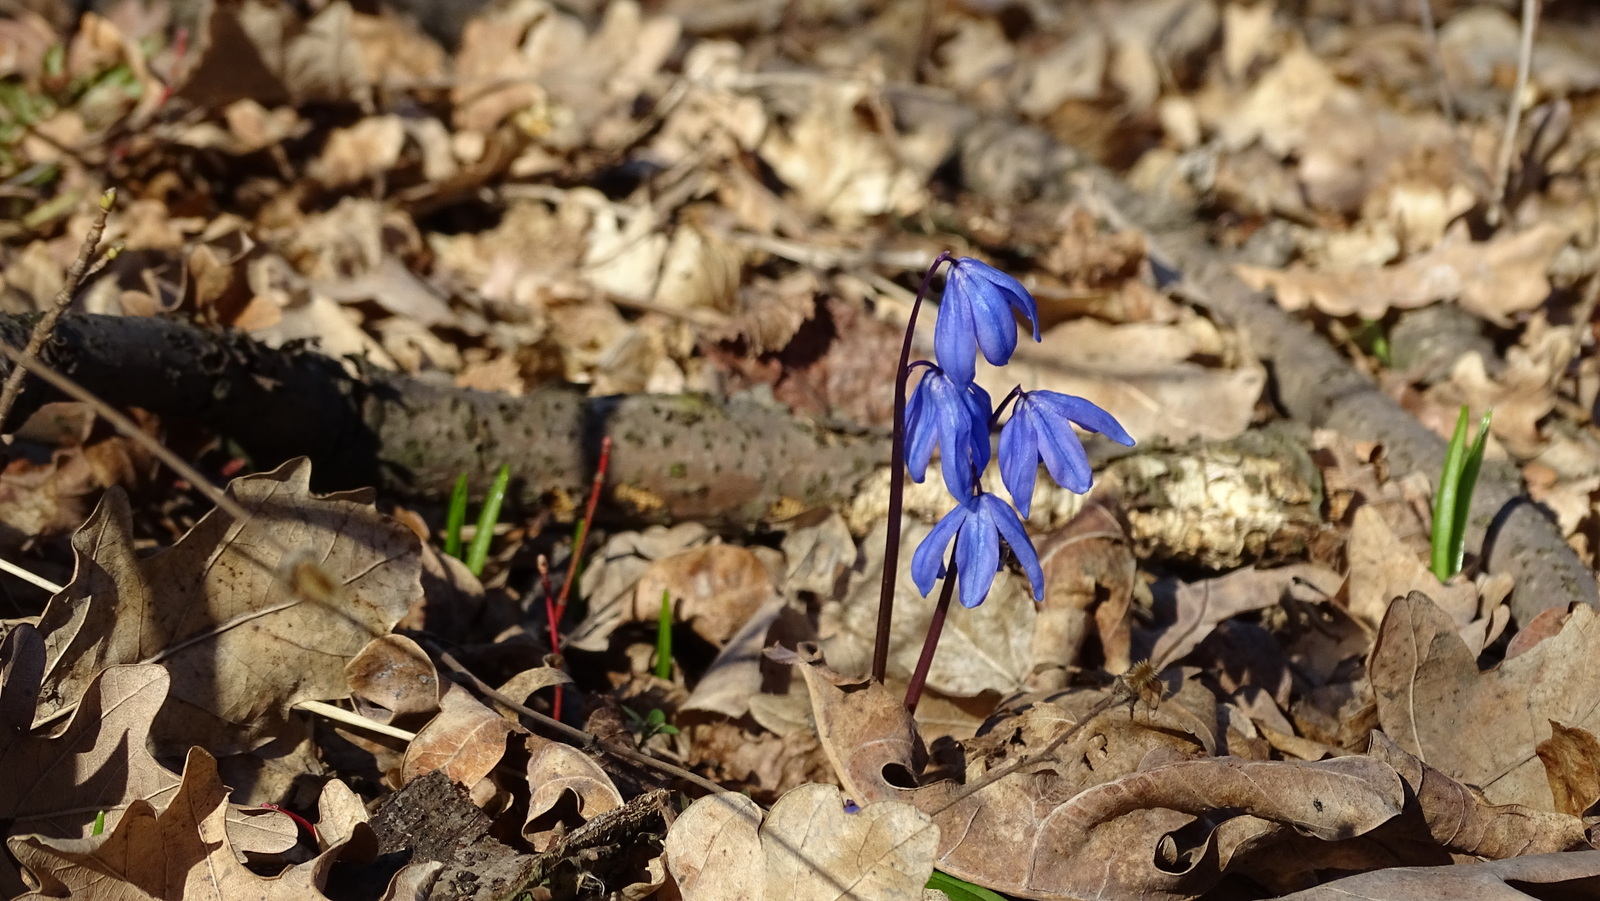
column 954, row 416
column 977, row 526
column 1041, row 427
column 976, row 314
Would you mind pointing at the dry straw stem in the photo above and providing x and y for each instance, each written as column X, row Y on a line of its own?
column 63, row 299
column 1508, row 140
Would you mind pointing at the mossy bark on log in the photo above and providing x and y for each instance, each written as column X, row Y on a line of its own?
column 674, row 457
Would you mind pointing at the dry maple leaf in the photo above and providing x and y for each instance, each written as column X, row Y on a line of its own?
column 215, row 612
column 182, row 852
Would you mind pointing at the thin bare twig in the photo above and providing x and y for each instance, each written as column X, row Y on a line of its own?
column 1508, row 140
column 63, row 299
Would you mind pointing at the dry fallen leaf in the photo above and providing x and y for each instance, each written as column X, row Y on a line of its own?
column 1483, row 729
column 1571, row 875
column 567, row 789
column 215, row 611
column 182, row 852
column 808, row 847
column 466, row 740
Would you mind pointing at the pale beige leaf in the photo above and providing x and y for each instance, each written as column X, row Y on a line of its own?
column 815, row 850
column 568, row 789
column 466, row 740
column 214, row 609
column 713, row 849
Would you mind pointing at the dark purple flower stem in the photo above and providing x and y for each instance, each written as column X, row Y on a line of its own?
column 919, row 676
column 897, row 465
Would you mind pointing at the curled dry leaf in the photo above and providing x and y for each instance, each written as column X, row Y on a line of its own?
column 1040, row 834
column 808, row 847
column 394, row 679
column 1483, row 728
column 466, row 740
column 220, row 612
column 1199, row 607
column 1461, row 821
column 1571, row 760
column 182, row 852
column 568, row 789
column 611, row 579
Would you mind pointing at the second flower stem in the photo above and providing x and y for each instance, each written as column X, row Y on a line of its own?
column 919, row 676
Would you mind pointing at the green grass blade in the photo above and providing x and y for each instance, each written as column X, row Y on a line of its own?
column 1444, row 501
column 961, row 890
column 1470, row 468
column 664, row 638
column 478, row 552
column 456, row 518
column 99, row 823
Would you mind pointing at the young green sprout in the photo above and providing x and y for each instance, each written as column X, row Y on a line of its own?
column 664, row 637
column 478, row 551
column 961, row 890
column 1454, row 498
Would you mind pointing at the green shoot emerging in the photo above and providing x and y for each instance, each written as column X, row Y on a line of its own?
column 456, row 518
column 664, row 638
column 961, row 890
column 1454, row 497
column 478, row 551
column 99, row 823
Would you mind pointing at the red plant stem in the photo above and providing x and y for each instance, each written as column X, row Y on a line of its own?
column 583, row 527
column 919, row 676
column 897, row 490
column 299, row 820
column 555, row 631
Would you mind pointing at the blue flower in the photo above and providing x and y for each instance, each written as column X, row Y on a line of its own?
column 977, row 526
column 1041, row 427
column 976, row 314
column 955, row 417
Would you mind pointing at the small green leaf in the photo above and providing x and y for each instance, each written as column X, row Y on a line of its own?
column 478, row 551
column 456, row 518
column 961, row 890
column 1444, row 501
column 99, row 823
column 1470, row 467
column 664, row 637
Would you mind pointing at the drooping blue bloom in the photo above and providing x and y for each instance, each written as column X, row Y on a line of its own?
column 977, row 526
column 975, row 314
column 1041, row 427
column 955, row 418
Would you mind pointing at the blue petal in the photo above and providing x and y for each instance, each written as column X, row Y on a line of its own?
column 1085, row 414
column 927, row 562
column 1063, row 455
column 956, row 441
column 1005, row 520
column 977, row 554
column 954, row 345
column 995, row 326
column 1010, row 288
column 920, row 433
column 1019, row 455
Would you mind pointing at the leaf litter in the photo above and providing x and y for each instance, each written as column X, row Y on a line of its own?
column 667, row 198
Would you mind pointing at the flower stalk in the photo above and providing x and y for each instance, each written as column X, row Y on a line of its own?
column 949, row 412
